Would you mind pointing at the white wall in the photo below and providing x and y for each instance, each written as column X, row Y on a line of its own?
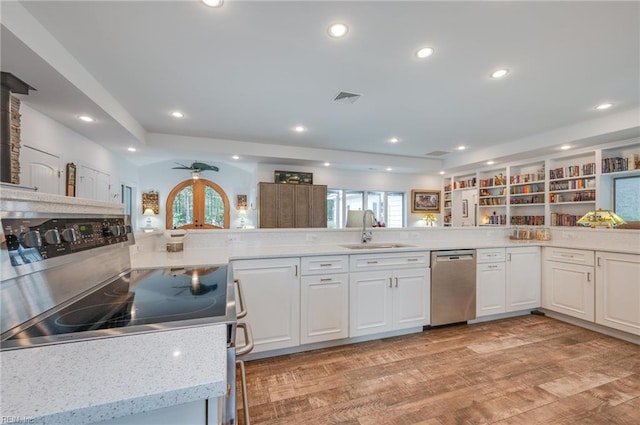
column 234, row 179
column 364, row 180
column 41, row 132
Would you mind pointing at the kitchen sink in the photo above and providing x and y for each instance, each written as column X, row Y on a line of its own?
column 378, row 246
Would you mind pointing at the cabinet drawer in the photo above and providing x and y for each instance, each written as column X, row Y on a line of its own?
column 364, row 262
column 568, row 255
column 489, row 267
column 490, row 255
column 325, row 264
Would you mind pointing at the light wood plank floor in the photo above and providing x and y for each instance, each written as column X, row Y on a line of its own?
column 523, row 370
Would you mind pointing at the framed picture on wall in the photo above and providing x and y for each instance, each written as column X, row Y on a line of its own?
column 465, row 208
column 71, row 179
column 425, row 201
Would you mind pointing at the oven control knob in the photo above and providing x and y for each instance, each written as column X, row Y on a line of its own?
column 115, row 230
column 69, row 235
column 31, row 239
column 128, row 228
column 52, row 237
column 123, row 229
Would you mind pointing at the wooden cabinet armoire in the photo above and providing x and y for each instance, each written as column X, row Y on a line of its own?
column 292, row 205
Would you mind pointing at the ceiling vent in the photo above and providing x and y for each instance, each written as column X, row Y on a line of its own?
column 346, row 97
column 437, row 153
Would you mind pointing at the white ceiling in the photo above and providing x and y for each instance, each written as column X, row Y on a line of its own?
column 245, row 74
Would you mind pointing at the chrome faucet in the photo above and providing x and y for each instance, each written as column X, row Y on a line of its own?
column 366, row 235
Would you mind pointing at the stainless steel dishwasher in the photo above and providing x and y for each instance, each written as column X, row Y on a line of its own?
column 453, row 286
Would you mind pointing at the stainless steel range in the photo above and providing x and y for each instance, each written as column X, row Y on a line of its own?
column 68, row 278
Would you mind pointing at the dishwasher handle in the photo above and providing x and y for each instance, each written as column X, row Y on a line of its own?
column 457, row 255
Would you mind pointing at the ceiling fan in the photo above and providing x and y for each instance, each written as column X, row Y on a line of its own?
column 196, row 168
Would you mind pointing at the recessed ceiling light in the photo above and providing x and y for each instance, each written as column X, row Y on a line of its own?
column 461, row 148
column 338, row 30
column 86, row 118
column 326, row 164
column 425, row 52
column 177, row 114
column 235, row 157
column 299, row 129
column 389, row 169
column 441, row 173
column 604, row 106
column 565, row 147
column 394, row 140
column 490, row 162
column 213, row 3
column 131, row 149
column 499, row 73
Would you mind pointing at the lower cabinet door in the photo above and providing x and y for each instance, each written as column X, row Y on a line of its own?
column 272, row 298
column 324, row 308
column 411, row 307
column 370, row 303
column 618, row 291
column 490, row 289
column 569, row 289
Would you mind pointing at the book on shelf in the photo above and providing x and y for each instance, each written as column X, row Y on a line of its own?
column 618, row 163
column 558, row 219
column 527, row 220
column 573, row 171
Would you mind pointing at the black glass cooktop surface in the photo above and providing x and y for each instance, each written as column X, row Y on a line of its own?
column 137, row 301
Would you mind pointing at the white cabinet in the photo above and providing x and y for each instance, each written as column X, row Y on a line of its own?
column 389, row 293
column 40, row 170
column 523, row 278
column 324, row 299
column 618, row 291
column 272, row 296
column 569, row 282
column 191, row 413
column 491, row 284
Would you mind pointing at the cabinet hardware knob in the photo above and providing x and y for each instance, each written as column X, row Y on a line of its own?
column 326, row 279
column 372, row 262
column 390, row 282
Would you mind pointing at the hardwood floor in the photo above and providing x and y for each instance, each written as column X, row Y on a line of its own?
column 523, row 370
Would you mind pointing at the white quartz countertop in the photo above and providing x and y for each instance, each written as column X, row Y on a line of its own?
column 95, row 380
column 222, row 255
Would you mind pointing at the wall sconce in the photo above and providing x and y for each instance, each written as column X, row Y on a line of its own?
column 429, row 220
column 148, row 213
column 195, row 174
column 600, row 217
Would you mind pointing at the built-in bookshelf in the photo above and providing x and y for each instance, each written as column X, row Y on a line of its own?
column 492, row 197
column 446, row 206
column 556, row 191
column 572, row 188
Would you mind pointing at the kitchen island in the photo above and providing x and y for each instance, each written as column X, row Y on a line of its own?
column 97, row 380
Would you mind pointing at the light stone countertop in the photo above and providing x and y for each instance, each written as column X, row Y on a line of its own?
column 95, row 380
column 222, row 255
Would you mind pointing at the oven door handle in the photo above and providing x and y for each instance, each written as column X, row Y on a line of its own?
column 243, row 310
column 248, row 339
column 245, row 395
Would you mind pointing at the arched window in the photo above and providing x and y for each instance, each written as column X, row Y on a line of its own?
column 197, row 204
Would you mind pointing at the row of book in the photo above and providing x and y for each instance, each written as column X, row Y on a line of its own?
column 495, row 219
column 463, row 184
column 558, row 219
column 527, row 220
column 498, row 180
column 529, row 188
column 523, row 200
column 526, row 178
column 573, row 171
column 572, row 184
column 611, row 165
column 491, row 201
